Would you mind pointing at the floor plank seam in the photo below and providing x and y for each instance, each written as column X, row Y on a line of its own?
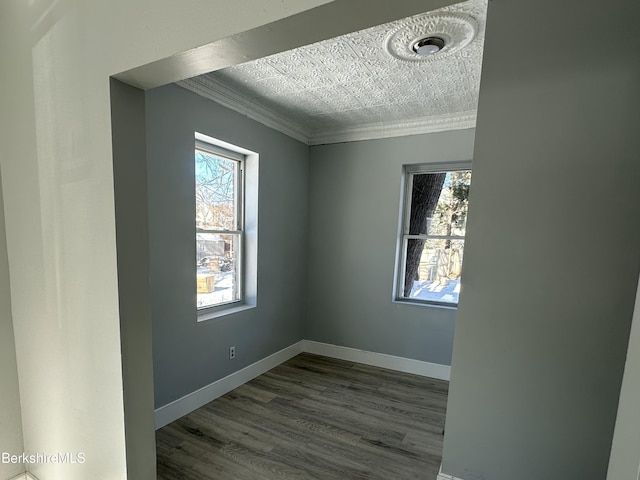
column 312, row 417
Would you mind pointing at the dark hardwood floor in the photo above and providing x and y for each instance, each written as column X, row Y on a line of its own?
column 312, row 417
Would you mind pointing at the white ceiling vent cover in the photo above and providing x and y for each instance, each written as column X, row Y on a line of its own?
column 456, row 29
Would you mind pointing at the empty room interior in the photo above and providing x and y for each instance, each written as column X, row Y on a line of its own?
column 343, row 116
column 331, row 239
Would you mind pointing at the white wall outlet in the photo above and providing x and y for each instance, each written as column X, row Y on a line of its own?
column 232, row 353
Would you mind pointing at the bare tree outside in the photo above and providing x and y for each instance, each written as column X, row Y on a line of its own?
column 215, row 192
column 425, row 194
column 437, row 224
column 217, row 228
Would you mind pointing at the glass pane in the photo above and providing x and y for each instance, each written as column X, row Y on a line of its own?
column 439, row 203
column 216, row 192
column 432, row 270
column 217, row 271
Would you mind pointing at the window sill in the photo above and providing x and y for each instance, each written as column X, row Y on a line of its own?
column 204, row 316
column 425, row 304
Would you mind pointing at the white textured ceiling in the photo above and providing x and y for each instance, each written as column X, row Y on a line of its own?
column 367, row 84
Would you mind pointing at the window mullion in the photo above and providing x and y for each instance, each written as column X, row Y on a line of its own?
column 219, row 232
column 219, row 250
column 433, row 237
column 433, row 261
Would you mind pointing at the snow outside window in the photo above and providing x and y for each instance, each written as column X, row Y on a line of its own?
column 436, row 201
column 219, row 225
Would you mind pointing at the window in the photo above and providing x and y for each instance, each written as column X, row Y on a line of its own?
column 219, row 225
column 436, row 200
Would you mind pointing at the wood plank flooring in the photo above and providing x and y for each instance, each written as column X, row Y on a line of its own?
column 312, row 417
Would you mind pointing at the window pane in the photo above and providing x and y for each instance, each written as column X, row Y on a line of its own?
column 437, row 276
column 216, row 192
column 216, row 256
column 439, row 203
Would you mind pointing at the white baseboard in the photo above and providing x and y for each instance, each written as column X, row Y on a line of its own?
column 445, row 476
column 24, row 476
column 187, row 404
column 400, row 364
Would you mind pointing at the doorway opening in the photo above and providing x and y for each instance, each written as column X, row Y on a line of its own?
column 130, row 170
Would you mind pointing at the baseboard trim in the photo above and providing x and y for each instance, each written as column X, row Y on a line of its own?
column 445, row 476
column 24, row 476
column 192, row 401
column 391, row 362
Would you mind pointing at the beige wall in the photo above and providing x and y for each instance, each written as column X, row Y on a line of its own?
column 56, row 58
column 10, row 417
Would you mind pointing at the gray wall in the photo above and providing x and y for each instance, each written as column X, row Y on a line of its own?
column 354, row 205
column 553, row 241
column 10, row 416
column 186, row 354
column 132, row 242
column 624, row 462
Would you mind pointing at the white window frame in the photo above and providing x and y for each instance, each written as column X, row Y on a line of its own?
column 246, row 225
column 409, row 171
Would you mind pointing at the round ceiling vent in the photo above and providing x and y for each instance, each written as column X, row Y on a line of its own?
column 431, row 36
column 428, row 45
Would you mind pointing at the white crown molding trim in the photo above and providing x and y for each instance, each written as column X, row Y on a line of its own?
column 391, row 362
column 445, row 476
column 213, row 90
column 218, row 92
column 441, row 123
column 192, row 401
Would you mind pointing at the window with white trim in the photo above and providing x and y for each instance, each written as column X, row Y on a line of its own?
column 431, row 244
column 219, row 213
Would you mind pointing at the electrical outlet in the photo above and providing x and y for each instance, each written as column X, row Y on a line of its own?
column 232, row 353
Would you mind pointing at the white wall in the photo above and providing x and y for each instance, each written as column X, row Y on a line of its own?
column 59, row 203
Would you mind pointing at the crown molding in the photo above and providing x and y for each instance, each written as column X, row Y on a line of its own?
column 435, row 124
column 363, row 85
column 214, row 90
column 218, row 92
